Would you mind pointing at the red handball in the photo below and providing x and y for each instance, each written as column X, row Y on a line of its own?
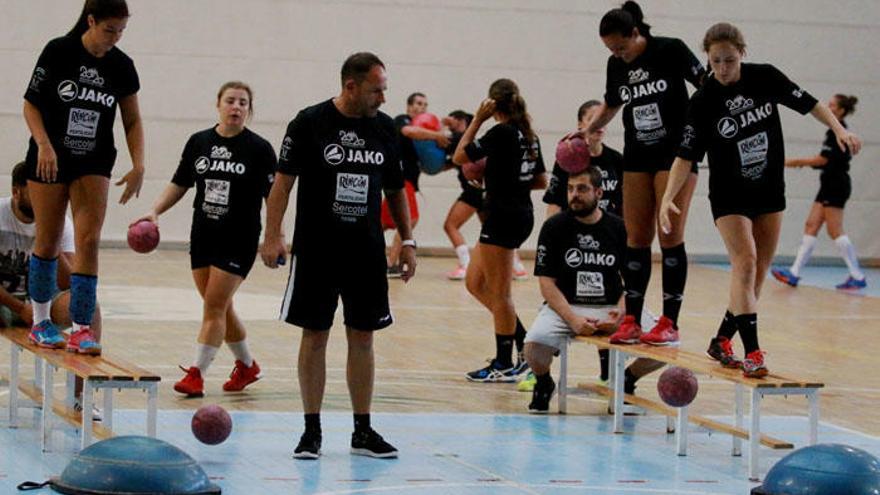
column 143, row 236
column 474, row 170
column 677, row 387
column 211, row 424
column 426, row 121
column 573, row 155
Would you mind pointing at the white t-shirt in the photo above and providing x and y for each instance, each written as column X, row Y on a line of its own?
column 16, row 244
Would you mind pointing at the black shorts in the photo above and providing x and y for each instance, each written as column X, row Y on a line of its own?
column 651, row 163
column 834, row 190
column 508, row 229
column 68, row 170
column 472, row 196
column 235, row 258
column 750, row 208
column 317, row 281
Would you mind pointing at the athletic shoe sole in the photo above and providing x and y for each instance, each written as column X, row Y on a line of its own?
column 628, row 341
column 728, row 366
column 87, row 352
column 245, row 385
column 756, row 374
column 664, row 344
column 306, row 455
column 370, row 453
column 59, row 345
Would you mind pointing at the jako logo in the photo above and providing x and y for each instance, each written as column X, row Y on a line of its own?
column 574, row 257
column 67, row 90
column 625, row 94
column 202, row 164
column 334, row 154
column 727, row 127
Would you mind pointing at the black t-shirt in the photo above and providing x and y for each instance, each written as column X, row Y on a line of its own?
column 653, row 89
column 77, row 95
column 511, row 167
column 231, row 177
column 738, row 127
column 343, row 164
column 584, row 259
column 408, row 155
column 610, row 163
column 838, row 160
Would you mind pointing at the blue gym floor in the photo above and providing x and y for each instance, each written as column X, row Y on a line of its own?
column 443, row 453
column 823, row 277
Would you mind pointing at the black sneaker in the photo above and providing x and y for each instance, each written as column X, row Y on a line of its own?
column 309, row 446
column 371, row 444
column 721, row 350
column 541, row 398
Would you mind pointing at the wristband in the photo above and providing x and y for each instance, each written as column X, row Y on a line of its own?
column 409, row 242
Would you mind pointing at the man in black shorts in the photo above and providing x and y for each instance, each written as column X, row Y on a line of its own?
column 345, row 152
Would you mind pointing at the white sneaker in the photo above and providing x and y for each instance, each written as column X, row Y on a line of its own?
column 96, row 413
column 457, row 274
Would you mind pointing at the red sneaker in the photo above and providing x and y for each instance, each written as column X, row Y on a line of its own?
column 753, row 365
column 192, row 384
column 242, row 376
column 83, row 342
column 663, row 333
column 628, row 333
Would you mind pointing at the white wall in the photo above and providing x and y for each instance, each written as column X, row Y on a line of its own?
column 291, row 50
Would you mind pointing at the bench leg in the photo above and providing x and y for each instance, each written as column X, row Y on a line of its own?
column 755, row 435
column 562, row 391
column 87, row 403
column 108, row 407
column 152, row 401
column 681, row 432
column 738, row 417
column 70, row 389
column 813, row 398
column 46, row 421
column 618, row 362
column 13, row 385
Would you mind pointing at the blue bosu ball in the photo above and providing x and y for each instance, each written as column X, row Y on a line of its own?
column 823, row 470
column 432, row 158
column 133, row 465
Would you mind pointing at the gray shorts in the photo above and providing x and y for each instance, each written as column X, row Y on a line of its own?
column 551, row 330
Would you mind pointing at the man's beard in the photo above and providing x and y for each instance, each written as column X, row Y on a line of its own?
column 586, row 210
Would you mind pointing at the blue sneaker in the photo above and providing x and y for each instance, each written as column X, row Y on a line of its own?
column 492, row 374
column 521, row 365
column 46, row 334
column 785, row 276
column 852, row 284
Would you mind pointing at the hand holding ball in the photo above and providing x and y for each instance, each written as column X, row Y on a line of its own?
column 573, row 155
column 143, row 236
column 474, row 170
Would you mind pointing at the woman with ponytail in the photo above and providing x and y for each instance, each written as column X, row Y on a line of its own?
column 514, row 166
column 70, row 106
column 834, row 190
column 646, row 74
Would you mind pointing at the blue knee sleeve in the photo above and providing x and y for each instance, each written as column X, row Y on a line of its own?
column 42, row 278
column 83, row 290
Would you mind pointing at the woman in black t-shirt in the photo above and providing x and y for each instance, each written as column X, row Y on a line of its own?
column 70, row 106
column 835, row 188
column 734, row 119
column 514, row 167
column 232, row 169
column 646, row 75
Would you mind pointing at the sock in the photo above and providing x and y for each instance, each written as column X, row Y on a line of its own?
column 362, row 422
column 83, row 292
column 503, row 348
column 42, row 285
column 803, row 255
column 78, row 327
column 603, row 364
column 519, row 336
column 204, row 356
column 728, row 326
column 675, row 270
column 241, row 352
column 313, row 422
column 629, row 382
column 544, row 381
column 464, row 255
column 848, row 253
column 747, row 324
column 636, row 274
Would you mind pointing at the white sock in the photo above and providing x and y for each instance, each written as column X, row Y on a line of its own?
column 42, row 311
column 464, row 255
column 848, row 253
column 204, row 356
column 241, row 352
column 803, row 254
column 77, row 327
column 517, row 263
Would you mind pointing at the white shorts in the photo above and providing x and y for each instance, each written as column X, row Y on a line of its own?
column 551, row 330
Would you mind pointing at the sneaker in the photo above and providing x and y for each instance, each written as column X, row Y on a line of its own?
column 242, row 376
column 527, row 384
column 96, row 413
column 663, row 333
column 83, row 342
column 785, row 276
column 628, row 333
column 309, row 446
column 394, row 271
column 371, row 444
column 457, row 274
column 753, row 365
column 852, row 284
column 520, row 273
column 46, row 334
column 192, row 384
column 721, row 350
column 521, row 365
column 541, row 399
column 492, row 374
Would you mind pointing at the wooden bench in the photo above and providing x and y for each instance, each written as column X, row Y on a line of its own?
column 97, row 372
column 773, row 384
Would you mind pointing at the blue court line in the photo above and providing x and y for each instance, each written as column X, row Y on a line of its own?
column 823, row 277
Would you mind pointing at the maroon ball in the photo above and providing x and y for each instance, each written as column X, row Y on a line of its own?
column 211, row 424
column 143, row 236
column 474, row 170
column 573, row 155
column 677, row 387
